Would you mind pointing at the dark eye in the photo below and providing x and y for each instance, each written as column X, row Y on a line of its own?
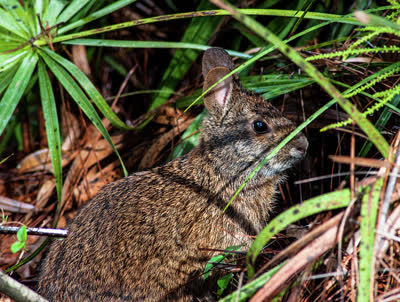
column 261, row 127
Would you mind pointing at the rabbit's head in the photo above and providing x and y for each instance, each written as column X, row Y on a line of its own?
column 242, row 128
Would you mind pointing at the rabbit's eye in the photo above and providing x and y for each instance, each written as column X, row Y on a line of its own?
column 260, row 127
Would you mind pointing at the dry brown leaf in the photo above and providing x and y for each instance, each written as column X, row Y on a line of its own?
column 95, row 180
column 15, row 206
column 79, row 57
column 92, row 153
column 40, row 161
column 359, row 161
column 159, row 144
column 71, row 130
column 307, row 255
column 45, row 191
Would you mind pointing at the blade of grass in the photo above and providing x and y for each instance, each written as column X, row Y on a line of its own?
column 369, row 213
column 16, row 88
column 372, row 133
column 307, row 7
column 209, row 13
column 96, row 15
column 80, row 98
column 51, row 124
column 148, row 44
column 329, row 201
column 89, row 88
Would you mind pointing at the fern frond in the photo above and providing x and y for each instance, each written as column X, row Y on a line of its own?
column 373, row 82
column 355, row 52
column 386, row 95
column 360, row 41
column 390, row 92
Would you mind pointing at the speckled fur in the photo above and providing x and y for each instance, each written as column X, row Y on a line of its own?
column 139, row 238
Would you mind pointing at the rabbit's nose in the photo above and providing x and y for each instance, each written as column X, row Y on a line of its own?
column 302, row 144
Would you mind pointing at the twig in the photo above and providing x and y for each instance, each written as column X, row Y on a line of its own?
column 18, row 291
column 309, row 254
column 35, row 231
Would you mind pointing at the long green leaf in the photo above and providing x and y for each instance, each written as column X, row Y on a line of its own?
column 80, row 98
column 73, row 7
column 209, row 13
column 6, row 77
column 8, row 23
column 372, row 133
column 30, row 9
column 148, row 44
column 369, row 213
column 329, row 201
column 98, row 14
column 11, row 59
column 14, row 8
column 89, row 88
column 51, row 124
column 16, row 88
column 51, row 11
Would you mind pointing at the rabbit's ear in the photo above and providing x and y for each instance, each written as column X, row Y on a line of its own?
column 216, row 57
column 217, row 98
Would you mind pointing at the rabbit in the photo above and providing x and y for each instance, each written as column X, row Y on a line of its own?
column 145, row 237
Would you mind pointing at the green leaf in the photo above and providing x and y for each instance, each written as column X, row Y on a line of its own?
column 251, row 287
column 16, row 246
column 73, row 7
column 21, row 234
column 11, row 25
column 89, row 88
column 210, row 13
column 9, row 60
column 223, row 283
column 211, row 263
column 17, row 12
column 148, row 44
column 51, row 11
column 51, row 124
column 16, row 88
column 329, row 201
column 32, row 22
column 369, row 213
column 6, row 77
column 98, row 14
column 20, row 243
column 218, row 259
column 80, row 98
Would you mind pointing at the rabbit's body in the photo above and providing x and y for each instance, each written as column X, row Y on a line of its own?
column 141, row 237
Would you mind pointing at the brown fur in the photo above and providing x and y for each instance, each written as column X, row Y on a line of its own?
column 139, row 238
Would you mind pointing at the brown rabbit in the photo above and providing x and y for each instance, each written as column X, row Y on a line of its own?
column 139, row 238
